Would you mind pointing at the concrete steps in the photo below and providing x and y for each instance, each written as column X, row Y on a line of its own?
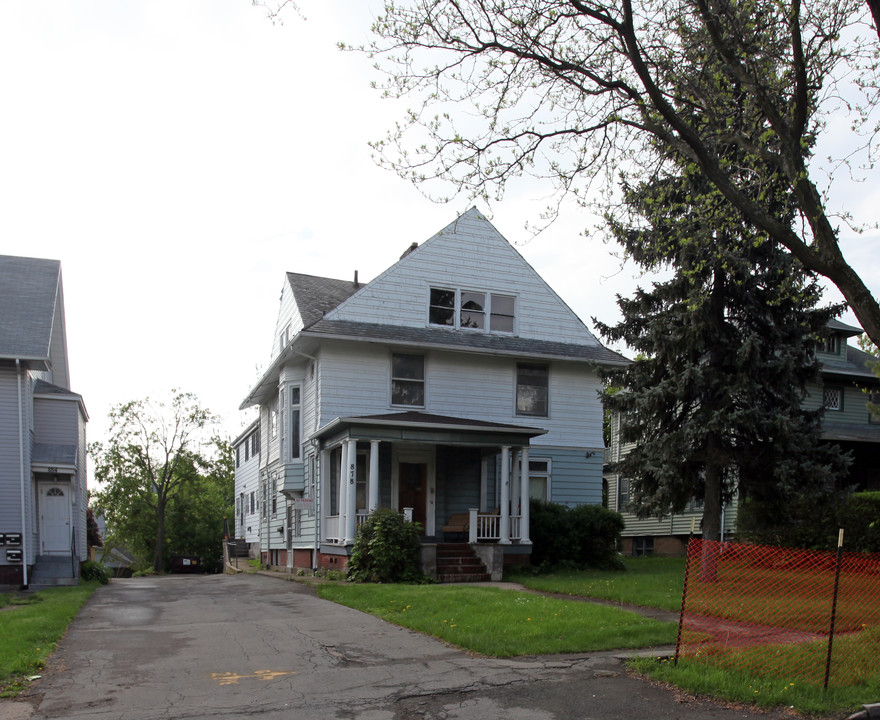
column 458, row 563
column 52, row 571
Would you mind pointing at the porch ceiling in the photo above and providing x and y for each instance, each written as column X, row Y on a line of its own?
column 426, row 428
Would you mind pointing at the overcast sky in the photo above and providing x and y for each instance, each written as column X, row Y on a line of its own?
column 179, row 157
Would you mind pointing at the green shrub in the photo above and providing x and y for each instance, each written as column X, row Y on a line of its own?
column 386, row 549
column 859, row 516
column 579, row 537
column 94, row 571
column 813, row 522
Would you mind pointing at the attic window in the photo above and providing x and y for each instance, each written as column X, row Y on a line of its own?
column 831, row 344
column 472, row 310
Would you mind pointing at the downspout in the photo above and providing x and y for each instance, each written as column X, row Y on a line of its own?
column 24, row 553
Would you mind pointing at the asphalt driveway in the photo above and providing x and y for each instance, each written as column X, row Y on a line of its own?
column 254, row 646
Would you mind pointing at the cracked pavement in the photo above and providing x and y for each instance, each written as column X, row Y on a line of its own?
column 248, row 645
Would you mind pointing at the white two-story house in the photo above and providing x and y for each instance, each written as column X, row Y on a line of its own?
column 455, row 387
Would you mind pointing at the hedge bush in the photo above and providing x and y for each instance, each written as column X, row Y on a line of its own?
column 579, row 537
column 813, row 522
column 386, row 550
column 91, row 570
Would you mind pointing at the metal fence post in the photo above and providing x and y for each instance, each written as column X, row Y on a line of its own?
column 684, row 591
column 833, row 606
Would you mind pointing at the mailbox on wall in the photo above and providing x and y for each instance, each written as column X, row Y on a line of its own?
column 2, row 539
column 13, row 538
column 13, row 556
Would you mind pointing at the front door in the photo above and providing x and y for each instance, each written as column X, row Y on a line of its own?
column 54, row 519
column 413, row 490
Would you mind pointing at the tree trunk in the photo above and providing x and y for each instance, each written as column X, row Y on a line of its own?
column 711, row 511
column 158, row 565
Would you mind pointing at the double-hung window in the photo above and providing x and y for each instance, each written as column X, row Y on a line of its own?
column 532, row 390
column 408, row 380
column 294, row 423
column 539, row 479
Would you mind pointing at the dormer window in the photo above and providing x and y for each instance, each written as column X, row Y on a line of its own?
column 466, row 309
column 831, row 344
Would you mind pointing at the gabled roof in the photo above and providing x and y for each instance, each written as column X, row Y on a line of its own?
column 315, row 296
column 28, row 289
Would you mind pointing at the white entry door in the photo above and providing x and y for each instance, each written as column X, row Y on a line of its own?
column 54, row 519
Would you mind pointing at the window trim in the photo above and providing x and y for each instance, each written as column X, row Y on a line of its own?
column 830, row 388
column 487, row 313
column 295, row 429
column 547, row 474
column 623, row 498
column 517, row 385
column 423, row 380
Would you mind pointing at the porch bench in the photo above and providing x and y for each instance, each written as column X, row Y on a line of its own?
column 458, row 523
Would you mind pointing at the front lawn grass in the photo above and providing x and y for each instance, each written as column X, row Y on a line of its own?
column 502, row 623
column 30, row 628
column 784, row 675
column 650, row 582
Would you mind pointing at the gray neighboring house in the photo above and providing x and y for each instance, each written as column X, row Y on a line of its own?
column 846, row 384
column 43, row 483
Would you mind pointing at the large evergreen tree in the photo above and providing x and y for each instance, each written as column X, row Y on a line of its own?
column 726, row 347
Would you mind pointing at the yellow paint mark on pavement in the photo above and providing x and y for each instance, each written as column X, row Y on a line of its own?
column 229, row 678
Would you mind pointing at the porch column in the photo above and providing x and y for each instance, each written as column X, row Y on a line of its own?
column 324, row 492
column 374, row 476
column 351, row 490
column 514, row 479
column 342, row 493
column 504, row 527
column 524, row 498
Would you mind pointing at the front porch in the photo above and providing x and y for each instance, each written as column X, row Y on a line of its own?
column 464, row 481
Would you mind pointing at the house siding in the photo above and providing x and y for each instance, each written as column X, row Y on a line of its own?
column 10, row 467
column 469, row 254
column 56, row 421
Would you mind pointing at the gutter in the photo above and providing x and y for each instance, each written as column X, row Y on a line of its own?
column 24, row 552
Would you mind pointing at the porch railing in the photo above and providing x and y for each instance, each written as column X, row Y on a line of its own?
column 484, row 526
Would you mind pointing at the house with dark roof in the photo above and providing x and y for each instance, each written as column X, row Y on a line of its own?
column 455, row 387
column 847, row 384
column 43, row 483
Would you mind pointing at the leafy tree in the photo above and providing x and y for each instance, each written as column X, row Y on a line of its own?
column 194, row 517
column 573, row 91
column 156, row 452
column 727, row 347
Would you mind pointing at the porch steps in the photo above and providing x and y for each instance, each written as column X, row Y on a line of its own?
column 458, row 563
column 52, row 571
column 238, row 548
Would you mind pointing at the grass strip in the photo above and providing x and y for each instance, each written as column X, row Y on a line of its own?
column 31, row 631
column 780, row 677
column 650, row 582
column 502, row 623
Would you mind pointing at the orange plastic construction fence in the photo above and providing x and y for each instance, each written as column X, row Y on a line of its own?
column 799, row 615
